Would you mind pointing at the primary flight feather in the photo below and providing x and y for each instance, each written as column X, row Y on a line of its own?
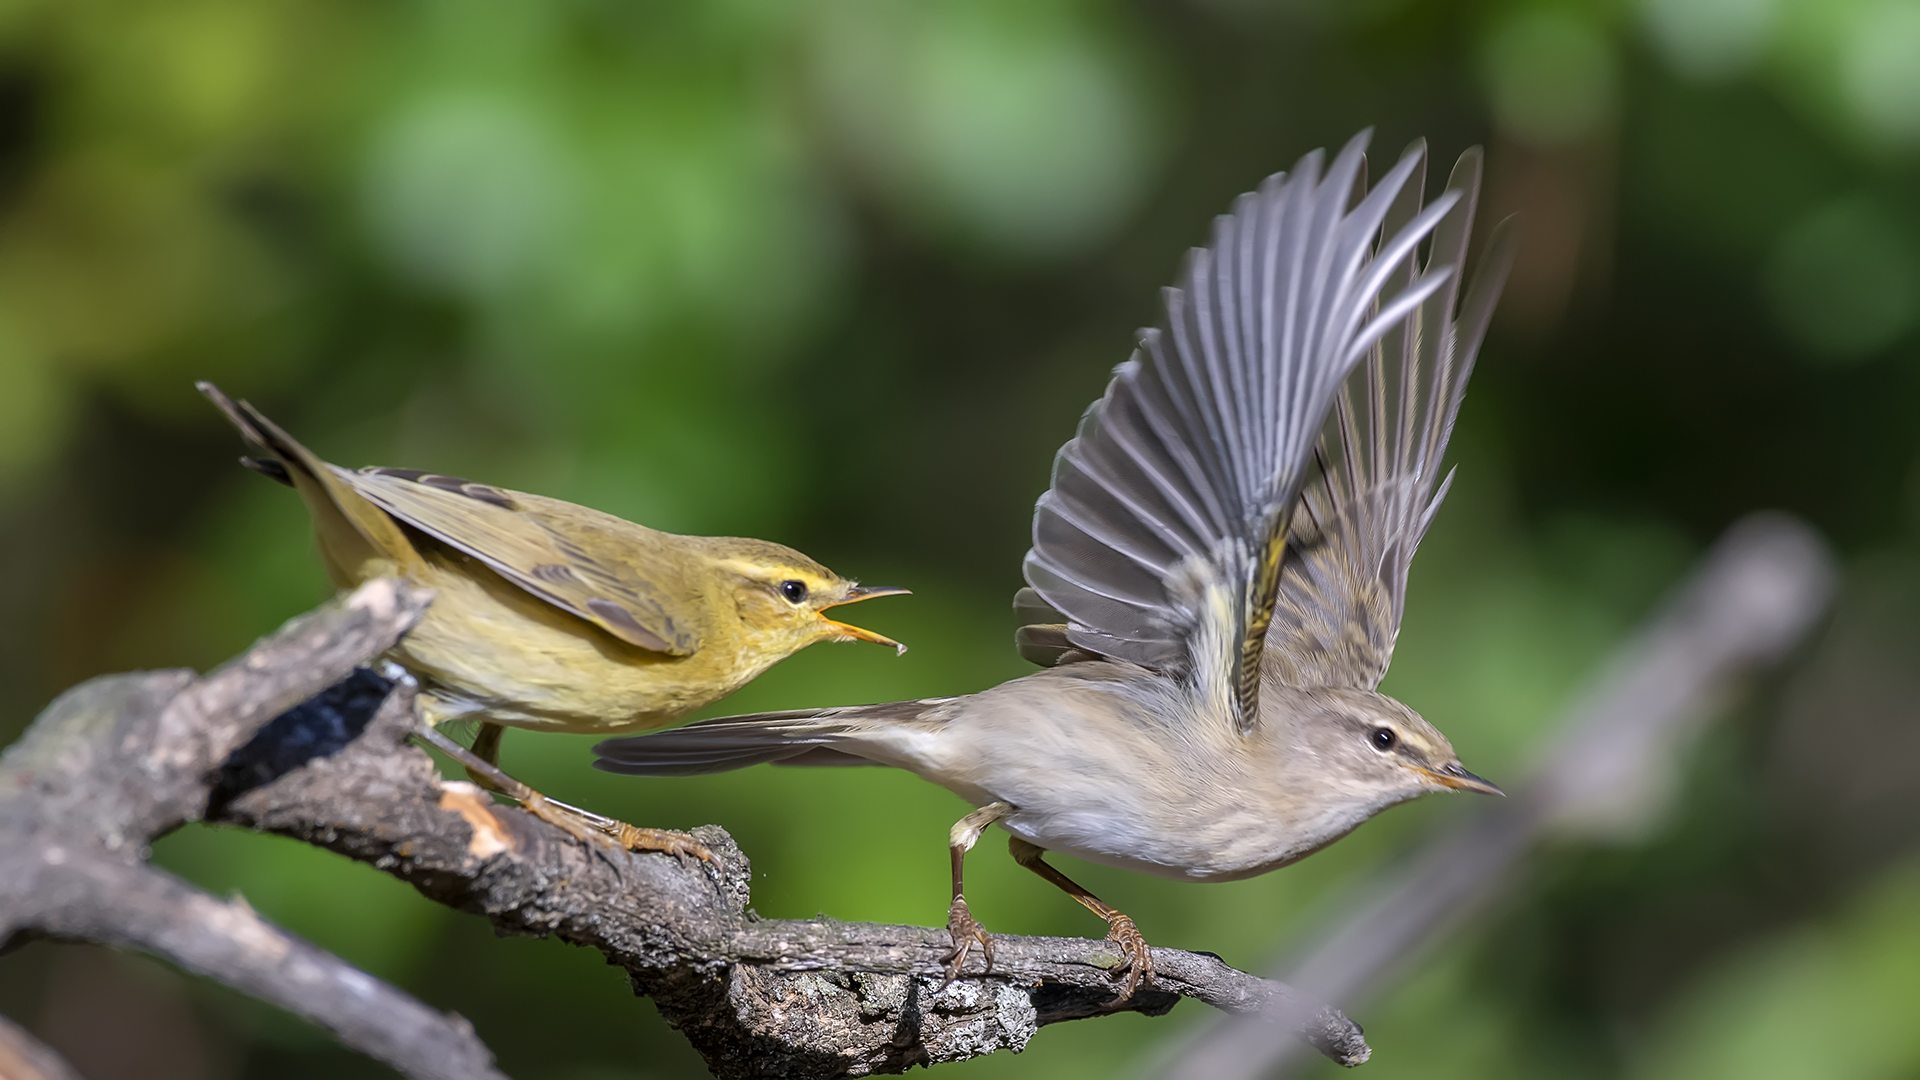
column 1218, row 568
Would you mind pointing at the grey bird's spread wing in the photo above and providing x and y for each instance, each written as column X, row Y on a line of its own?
column 1160, row 539
column 1344, row 575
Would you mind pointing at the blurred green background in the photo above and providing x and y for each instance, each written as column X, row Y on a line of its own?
column 842, row 274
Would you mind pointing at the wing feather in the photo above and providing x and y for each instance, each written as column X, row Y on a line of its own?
column 596, row 567
column 1180, row 481
column 1343, row 580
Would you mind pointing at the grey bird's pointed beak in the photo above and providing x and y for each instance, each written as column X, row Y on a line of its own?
column 1455, row 776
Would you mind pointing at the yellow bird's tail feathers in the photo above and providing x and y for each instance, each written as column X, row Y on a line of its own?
column 356, row 537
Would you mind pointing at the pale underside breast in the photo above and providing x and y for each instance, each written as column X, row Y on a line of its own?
column 1093, row 772
column 488, row 650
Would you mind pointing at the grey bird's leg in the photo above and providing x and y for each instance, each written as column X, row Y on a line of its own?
column 964, row 928
column 1120, row 928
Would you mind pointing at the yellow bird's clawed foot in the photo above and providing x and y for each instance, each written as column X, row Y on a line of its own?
column 618, row 833
column 1139, row 958
column 966, row 932
column 563, row 817
column 583, row 825
column 679, row 844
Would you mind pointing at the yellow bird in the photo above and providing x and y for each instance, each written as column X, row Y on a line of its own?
column 552, row 616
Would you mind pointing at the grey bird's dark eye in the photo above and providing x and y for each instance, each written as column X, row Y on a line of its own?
column 794, row 591
column 1383, row 739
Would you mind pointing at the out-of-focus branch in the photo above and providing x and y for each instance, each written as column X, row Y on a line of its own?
column 1609, row 774
column 295, row 739
column 23, row 1057
column 119, row 760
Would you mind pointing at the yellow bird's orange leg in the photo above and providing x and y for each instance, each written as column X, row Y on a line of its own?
column 1120, row 929
column 582, row 825
column 486, row 747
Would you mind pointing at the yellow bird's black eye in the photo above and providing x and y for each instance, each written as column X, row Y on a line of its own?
column 794, row 591
column 1383, row 739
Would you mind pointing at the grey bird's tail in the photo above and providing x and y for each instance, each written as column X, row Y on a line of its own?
column 797, row 737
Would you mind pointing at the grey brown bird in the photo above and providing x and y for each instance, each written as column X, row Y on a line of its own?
column 1218, row 569
column 555, row 617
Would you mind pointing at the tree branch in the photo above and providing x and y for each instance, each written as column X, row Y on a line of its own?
column 800, row 998
column 119, row 760
column 23, row 1057
column 82, row 896
column 293, row 739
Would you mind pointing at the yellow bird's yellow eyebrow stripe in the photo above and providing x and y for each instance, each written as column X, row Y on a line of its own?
column 758, row 572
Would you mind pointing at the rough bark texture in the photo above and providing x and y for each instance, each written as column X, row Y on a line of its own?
column 121, row 759
column 293, row 739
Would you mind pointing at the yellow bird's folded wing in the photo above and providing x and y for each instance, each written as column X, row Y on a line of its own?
column 601, row 568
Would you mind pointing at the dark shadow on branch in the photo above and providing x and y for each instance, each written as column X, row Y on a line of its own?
column 122, row 759
column 320, row 726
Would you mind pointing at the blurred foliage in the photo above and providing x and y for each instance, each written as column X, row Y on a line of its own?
column 842, row 273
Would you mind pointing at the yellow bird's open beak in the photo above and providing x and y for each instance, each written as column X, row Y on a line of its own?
column 855, row 633
column 1458, row 778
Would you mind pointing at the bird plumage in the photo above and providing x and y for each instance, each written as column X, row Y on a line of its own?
column 1219, row 566
column 1182, row 477
column 1353, row 535
column 1129, row 781
column 550, row 615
